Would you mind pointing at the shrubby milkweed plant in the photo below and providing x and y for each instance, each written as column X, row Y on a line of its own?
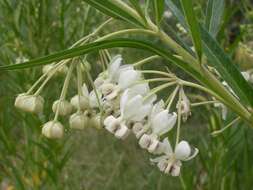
column 120, row 99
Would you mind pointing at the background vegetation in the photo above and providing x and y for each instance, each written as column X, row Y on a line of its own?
column 93, row 159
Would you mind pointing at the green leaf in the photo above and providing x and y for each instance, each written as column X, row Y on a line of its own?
column 159, row 9
column 111, row 9
column 223, row 63
column 219, row 60
column 138, row 8
column 81, row 50
column 214, row 14
column 193, row 26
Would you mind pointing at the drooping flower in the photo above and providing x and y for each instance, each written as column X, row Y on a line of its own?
column 160, row 121
column 132, row 109
column 116, row 127
column 171, row 162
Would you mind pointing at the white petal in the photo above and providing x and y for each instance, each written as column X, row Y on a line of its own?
column 150, row 99
column 85, row 90
column 93, row 99
column 114, row 67
column 163, row 122
column 128, row 77
column 159, row 159
column 132, row 107
column 167, row 147
column 183, row 150
column 142, row 113
column 124, row 98
column 141, row 89
column 158, row 107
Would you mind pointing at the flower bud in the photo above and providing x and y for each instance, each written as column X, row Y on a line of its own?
column 65, row 108
column 83, row 103
column 53, row 129
column 122, row 132
column 61, row 70
column 29, row 103
column 78, row 121
column 96, row 122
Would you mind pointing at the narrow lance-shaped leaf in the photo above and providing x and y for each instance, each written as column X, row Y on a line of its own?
column 193, row 26
column 159, row 9
column 84, row 49
column 214, row 13
column 109, row 8
column 218, row 58
column 138, row 8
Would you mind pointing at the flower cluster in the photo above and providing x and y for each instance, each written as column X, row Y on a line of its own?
column 122, row 102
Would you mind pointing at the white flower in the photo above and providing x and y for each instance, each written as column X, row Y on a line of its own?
column 151, row 143
column 53, row 129
column 116, row 127
column 171, row 162
column 29, row 103
column 133, row 107
column 161, row 120
column 65, row 108
column 78, row 121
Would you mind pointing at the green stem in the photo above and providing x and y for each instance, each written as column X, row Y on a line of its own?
column 79, row 84
column 216, row 133
column 147, row 60
column 171, row 98
column 179, row 116
column 157, row 89
column 203, row 103
column 64, row 90
column 157, row 72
